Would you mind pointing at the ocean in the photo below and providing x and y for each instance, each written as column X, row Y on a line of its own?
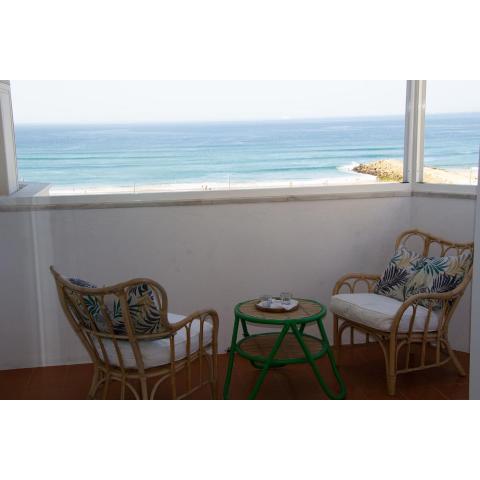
column 217, row 155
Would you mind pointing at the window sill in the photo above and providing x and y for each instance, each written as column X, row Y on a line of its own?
column 35, row 196
column 21, row 201
column 444, row 190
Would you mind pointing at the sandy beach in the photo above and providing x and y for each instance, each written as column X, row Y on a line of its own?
column 355, row 179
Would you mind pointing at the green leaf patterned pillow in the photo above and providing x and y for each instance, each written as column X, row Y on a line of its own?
column 402, row 267
column 439, row 275
column 143, row 307
column 144, row 310
column 92, row 305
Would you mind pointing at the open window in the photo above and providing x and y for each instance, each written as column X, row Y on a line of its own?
column 113, row 137
column 452, row 132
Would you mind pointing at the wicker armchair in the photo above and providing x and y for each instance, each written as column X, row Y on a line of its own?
column 415, row 337
column 140, row 362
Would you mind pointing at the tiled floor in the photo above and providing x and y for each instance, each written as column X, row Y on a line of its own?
column 362, row 369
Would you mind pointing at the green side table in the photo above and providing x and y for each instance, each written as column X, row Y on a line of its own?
column 289, row 345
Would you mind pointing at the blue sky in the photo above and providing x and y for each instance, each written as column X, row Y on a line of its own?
column 176, row 101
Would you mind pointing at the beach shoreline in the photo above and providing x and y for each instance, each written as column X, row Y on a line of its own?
column 380, row 171
column 354, row 179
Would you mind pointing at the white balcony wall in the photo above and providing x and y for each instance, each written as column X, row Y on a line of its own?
column 205, row 256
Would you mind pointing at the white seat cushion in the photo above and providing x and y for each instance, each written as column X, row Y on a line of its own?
column 377, row 311
column 157, row 352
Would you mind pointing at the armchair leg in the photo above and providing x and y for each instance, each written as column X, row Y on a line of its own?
column 94, row 384
column 212, row 366
column 213, row 389
column 391, row 365
column 456, row 362
column 143, row 388
column 337, row 340
column 105, row 386
column 391, row 384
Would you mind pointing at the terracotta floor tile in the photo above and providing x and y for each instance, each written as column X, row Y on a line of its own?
column 50, row 393
column 454, row 391
column 362, row 368
column 14, row 383
column 48, row 377
column 422, row 393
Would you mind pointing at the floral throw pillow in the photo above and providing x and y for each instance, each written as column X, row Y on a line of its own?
column 439, row 275
column 402, row 267
column 92, row 305
column 143, row 307
column 144, row 310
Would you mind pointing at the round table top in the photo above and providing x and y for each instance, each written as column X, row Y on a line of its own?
column 308, row 310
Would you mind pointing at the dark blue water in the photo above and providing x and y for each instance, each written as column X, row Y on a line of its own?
column 452, row 141
column 253, row 152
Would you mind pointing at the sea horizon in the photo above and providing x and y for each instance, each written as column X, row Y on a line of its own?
column 251, row 120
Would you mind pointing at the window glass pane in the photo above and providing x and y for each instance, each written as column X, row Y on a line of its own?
column 94, row 137
column 452, row 132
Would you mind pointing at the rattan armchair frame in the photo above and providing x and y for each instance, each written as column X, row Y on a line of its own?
column 393, row 342
column 73, row 300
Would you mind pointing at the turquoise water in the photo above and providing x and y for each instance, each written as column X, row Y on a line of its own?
column 236, row 152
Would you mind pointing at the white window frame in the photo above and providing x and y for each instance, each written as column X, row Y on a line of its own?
column 8, row 157
column 413, row 159
column 418, row 145
column 414, row 131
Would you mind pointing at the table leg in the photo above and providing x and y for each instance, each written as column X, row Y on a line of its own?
column 268, row 362
column 231, row 358
column 244, row 328
column 331, row 357
column 314, row 367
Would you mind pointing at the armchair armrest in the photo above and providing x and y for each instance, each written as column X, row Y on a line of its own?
column 413, row 302
column 351, row 280
column 201, row 315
